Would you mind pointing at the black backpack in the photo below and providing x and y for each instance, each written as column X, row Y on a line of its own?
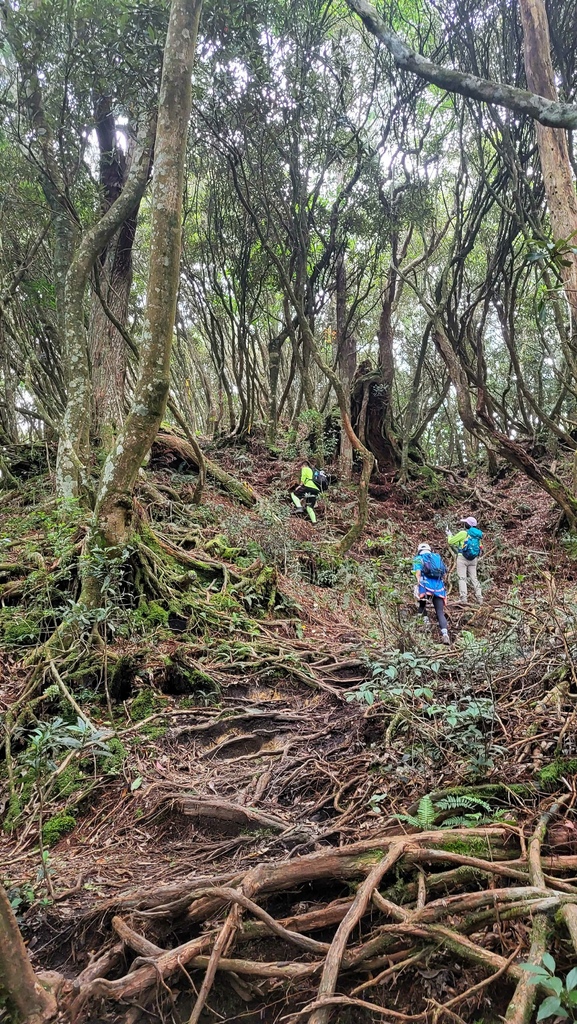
column 321, row 479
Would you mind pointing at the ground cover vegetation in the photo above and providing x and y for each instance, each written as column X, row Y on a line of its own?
column 240, row 780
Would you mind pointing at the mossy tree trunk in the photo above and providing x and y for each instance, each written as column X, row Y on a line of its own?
column 33, row 1004
column 108, row 352
column 113, row 511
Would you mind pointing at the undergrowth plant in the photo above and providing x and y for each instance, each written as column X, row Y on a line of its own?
column 38, row 763
column 467, row 728
column 562, row 1002
column 406, row 684
column 476, row 812
column 401, row 674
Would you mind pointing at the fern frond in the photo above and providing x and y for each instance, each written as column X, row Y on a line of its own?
column 409, row 818
column 467, row 821
column 426, row 813
column 462, row 801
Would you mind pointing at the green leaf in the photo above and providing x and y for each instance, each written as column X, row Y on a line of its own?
column 537, row 971
column 548, row 962
column 551, row 1007
column 136, row 784
column 571, row 980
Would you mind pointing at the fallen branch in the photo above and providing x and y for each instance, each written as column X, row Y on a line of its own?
column 183, row 448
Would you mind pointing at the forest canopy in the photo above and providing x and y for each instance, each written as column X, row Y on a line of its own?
column 339, row 212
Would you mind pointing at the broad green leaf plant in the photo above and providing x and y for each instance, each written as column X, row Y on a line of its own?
column 562, row 1000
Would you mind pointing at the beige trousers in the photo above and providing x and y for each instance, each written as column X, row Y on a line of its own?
column 464, row 569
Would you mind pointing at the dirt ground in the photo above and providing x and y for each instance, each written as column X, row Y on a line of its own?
column 284, row 764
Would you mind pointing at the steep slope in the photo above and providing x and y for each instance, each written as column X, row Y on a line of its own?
column 276, row 772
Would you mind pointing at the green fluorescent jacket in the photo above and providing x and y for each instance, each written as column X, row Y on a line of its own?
column 457, row 540
column 307, row 477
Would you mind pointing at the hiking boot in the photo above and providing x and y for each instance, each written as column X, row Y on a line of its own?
column 445, row 637
column 426, row 622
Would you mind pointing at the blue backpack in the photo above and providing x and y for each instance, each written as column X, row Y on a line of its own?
column 433, row 566
column 472, row 547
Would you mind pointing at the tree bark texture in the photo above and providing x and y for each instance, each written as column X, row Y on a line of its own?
column 32, row 1003
column 108, row 353
column 114, row 500
column 74, row 436
column 552, row 142
column 369, row 412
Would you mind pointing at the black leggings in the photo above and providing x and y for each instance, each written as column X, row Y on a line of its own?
column 439, row 605
column 302, row 491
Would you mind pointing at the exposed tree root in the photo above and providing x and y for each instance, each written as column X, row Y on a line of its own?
column 393, row 935
column 520, row 1008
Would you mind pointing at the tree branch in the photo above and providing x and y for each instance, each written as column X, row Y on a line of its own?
column 548, row 112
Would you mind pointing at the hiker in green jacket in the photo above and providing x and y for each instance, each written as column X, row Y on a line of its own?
column 467, row 544
column 304, row 496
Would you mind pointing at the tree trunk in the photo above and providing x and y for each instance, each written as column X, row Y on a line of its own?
column 32, row 1003
column 274, row 354
column 108, row 353
column 552, row 142
column 386, row 360
column 346, row 363
column 113, row 513
column 73, row 443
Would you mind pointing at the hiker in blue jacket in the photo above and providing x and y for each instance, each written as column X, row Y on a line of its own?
column 467, row 544
column 430, row 571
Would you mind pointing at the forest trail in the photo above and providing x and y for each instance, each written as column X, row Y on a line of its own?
column 270, row 756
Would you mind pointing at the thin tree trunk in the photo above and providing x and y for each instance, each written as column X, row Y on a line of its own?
column 552, row 143
column 274, row 353
column 346, row 363
column 113, row 513
column 73, row 443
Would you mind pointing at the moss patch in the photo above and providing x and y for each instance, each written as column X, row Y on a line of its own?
column 476, row 846
column 118, row 754
column 551, row 773
column 56, row 827
column 145, row 704
column 70, row 780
